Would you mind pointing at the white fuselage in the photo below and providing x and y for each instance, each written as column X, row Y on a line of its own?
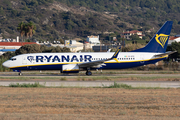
column 36, row 60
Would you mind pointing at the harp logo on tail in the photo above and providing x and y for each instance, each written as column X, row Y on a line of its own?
column 161, row 39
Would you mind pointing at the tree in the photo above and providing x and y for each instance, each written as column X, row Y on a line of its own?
column 1, row 11
column 21, row 29
column 61, row 41
column 32, row 48
column 27, row 29
column 30, row 29
column 45, row 49
column 65, row 49
column 7, row 55
column 135, row 37
column 175, row 46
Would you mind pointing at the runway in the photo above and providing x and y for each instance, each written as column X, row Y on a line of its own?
column 55, row 80
column 161, row 84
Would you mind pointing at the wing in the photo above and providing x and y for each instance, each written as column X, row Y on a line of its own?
column 99, row 63
column 93, row 63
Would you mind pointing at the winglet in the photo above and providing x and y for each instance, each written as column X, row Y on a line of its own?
column 116, row 53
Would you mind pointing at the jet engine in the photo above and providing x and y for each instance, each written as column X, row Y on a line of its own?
column 70, row 68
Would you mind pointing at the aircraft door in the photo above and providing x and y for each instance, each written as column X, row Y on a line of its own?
column 142, row 59
column 24, row 60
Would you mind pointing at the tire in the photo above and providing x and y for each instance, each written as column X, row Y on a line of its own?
column 89, row 73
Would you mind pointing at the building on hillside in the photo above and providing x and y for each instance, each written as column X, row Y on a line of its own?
column 72, row 42
column 12, row 46
column 93, row 39
column 74, row 46
column 127, row 34
column 103, row 48
column 175, row 38
column 2, row 51
column 79, row 46
column 66, row 42
column 9, row 39
column 69, row 42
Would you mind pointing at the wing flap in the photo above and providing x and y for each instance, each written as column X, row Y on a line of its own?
column 99, row 62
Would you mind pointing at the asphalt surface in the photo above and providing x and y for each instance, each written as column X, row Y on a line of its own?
column 57, row 74
column 161, row 84
column 50, row 83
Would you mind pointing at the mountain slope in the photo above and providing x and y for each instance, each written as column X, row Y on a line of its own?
column 66, row 18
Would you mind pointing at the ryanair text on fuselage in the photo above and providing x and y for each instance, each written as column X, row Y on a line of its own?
column 62, row 58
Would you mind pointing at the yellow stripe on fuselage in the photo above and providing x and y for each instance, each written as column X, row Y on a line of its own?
column 116, row 60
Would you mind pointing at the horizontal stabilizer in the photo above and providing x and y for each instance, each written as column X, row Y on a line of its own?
column 163, row 54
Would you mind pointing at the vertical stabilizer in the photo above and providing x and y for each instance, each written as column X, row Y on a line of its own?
column 160, row 40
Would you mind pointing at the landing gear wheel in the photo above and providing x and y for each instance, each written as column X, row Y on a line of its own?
column 20, row 74
column 88, row 73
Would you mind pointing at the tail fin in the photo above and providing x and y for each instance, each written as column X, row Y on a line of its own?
column 159, row 42
column 116, row 54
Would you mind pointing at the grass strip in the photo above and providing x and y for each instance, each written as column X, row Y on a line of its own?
column 116, row 85
column 125, row 86
column 36, row 84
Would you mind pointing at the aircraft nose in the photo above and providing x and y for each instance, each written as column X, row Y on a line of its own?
column 5, row 64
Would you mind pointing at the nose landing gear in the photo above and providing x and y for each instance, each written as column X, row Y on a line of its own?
column 20, row 74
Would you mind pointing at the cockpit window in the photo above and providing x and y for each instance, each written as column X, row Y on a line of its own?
column 13, row 59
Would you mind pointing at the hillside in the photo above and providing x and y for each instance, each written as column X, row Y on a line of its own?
column 67, row 18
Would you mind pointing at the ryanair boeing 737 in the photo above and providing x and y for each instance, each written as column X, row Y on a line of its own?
column 153, row 52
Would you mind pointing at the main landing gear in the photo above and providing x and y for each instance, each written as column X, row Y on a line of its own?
column 88, row 72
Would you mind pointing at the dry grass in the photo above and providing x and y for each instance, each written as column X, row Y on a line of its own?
column 89, row 103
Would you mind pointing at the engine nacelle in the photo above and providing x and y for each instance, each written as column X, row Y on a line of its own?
column 70, row 68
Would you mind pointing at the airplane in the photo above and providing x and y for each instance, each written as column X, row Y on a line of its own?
column 153, row 52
